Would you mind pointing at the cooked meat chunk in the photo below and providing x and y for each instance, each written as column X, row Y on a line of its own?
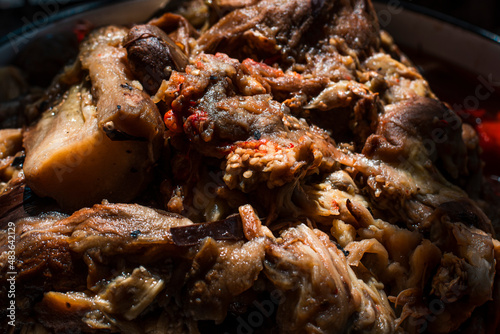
column 412, row 169
column 123, row 107
column 220, row 272
column 321, row 292
column 222, row 7
column 410, row 192
column 315, row 39
column 178, row 29
column 125, row 296
column 286, row 29
column 223, row 270
column 407, row 262
column 104, row 149
column 312, row 182
column 336, row 100
column 58, row 253
column 58, row 246
column 103, row 309
column 395, row 81
column 428, row 122
column 266, row 143
column 452, row 226
column 122, row 228
column 328, row 199
column 463, row 281
column 67, row 150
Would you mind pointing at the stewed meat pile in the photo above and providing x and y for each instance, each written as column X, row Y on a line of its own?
column 259, row 166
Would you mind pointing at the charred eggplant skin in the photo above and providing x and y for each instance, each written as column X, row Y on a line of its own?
column 152, row 55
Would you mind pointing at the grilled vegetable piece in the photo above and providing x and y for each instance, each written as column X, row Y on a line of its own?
column 153, row 55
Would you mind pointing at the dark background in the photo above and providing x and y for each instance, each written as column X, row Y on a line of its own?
column 483, row 13
column 15, row 14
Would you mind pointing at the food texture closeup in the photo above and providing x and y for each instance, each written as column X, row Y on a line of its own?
column 244, row 166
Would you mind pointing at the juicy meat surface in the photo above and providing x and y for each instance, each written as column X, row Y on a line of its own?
column 427, row 121
column 322, row 294
column 262, row 142
column 312, row 182
column 271, row 28
column 101, row 140
column 65, row 254
column 123, row 107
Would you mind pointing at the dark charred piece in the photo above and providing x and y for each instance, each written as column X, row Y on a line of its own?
column 227, row 229
column 153, row 55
